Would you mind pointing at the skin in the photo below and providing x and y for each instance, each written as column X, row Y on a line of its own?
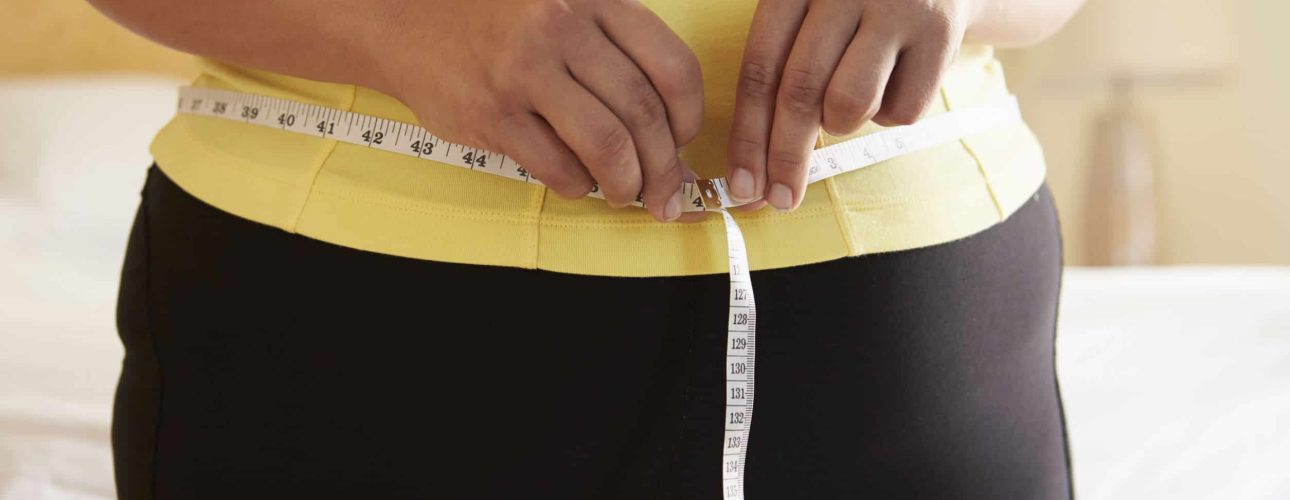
column 841, row 63
column 602, row 91
column 578, row 91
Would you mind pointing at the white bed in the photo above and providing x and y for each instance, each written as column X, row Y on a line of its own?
column 1176, row 380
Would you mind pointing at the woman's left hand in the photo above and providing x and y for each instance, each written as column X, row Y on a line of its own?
column 839, row 63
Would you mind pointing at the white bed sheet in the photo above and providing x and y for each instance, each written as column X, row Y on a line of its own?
column 1176, row 381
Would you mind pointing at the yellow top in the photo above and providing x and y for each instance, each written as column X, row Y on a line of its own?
column 393, row 204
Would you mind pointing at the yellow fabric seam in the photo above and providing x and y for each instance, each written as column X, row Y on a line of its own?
column 839, row 213
column 425, row 208
column 536, row 204
column 711, row 221
column 677, row 225
column 388, row 201
column 985, row 176
column 382, row 202
column 433, row 212
column 322, row 162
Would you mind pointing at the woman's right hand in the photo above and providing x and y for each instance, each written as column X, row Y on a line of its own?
column 579, row 92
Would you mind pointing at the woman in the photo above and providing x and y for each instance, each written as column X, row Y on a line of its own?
column 309, row 318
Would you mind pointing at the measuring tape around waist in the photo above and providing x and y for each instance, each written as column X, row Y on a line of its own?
column 703, row 195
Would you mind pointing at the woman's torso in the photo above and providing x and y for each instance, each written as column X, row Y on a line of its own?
column 387, row 203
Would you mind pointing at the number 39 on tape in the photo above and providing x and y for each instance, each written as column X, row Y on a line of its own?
column 704, row 195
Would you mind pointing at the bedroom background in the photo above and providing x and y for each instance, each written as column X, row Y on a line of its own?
column 1162, row 123
column 1214, row 93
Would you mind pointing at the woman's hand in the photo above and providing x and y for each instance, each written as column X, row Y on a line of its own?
column 577, row 91
column 839, row 63
column 601, row 89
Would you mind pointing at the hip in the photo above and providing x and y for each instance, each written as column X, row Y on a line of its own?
column 259, row 360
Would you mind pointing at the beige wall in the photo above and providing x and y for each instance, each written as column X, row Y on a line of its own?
column 1222, row 150
column 1223, row 153
column 69, row 36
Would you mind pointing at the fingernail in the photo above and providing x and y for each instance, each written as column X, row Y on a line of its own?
column 741, row 185
column 673, row 208
column 781, row 197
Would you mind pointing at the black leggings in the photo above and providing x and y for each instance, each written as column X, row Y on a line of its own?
column 261, row 364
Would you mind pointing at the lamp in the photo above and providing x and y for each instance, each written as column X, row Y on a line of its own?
column 1128, row 48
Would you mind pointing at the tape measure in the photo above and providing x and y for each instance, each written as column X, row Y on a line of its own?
column 703, row 195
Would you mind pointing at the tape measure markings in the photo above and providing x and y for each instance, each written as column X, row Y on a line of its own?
column 704, row 195
column 741, row 363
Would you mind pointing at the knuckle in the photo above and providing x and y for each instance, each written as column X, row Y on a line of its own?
column 647, row 109
column 847, row 103
column 621, row 189
column 840, row 125
column 743, row 149
column 802, row 92
column 784, row 162
column 666, row 179
column 939, row 19
column 901, row 115
column 941, row 38
column 744, row 142
column 681, row 74
column 550, row 14
column 688, row 70
column 868, row 113
column 945, row 19
column 757, row 80
column 685, row 131
column 846, row 111
column 939, row 42
column 940, row 22
column 613, row 147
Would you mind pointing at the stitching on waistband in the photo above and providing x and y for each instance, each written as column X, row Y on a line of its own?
column 537, row 201
column 322, row 162
column 985, row 176
column 839, row 214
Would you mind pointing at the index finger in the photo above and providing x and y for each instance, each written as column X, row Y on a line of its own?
column 597, row 137
column 774, row 28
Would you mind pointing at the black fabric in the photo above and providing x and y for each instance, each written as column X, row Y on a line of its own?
column 261, row 364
